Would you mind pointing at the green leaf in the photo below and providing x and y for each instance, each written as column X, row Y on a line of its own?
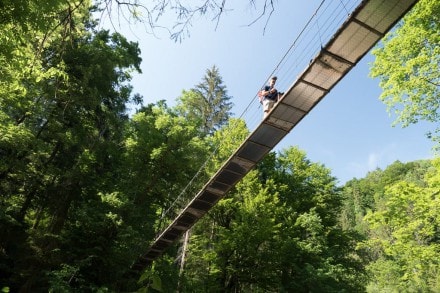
column 157, row 283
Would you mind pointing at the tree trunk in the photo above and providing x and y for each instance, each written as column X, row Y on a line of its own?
column 182, row 259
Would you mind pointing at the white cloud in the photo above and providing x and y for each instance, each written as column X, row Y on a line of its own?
column 375, row 159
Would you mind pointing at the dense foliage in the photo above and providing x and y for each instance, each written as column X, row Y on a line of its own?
column 395, row 211
column 407, row 64
column 83, row 185
column 279, row 234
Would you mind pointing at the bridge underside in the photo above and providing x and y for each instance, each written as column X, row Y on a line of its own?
column 370, row 21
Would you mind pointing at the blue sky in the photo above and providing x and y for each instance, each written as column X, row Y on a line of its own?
column 349, row 131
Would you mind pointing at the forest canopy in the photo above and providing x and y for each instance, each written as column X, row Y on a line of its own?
column 84, row 184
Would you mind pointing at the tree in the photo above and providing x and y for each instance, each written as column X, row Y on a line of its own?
column 405, row 236
column 407, row 64
column 280, row 234
column 363, row 195
column 64, row 106
column 27, row 29
column 315, row 254
column 225, row 243
column 207, row 103
column 163, row 153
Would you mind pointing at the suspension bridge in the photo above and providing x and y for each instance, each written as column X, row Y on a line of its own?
column 363, row 28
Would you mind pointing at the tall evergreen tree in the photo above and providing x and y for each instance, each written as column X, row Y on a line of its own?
column 208, row 103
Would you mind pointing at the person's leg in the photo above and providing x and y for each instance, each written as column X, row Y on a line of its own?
column 267, row 106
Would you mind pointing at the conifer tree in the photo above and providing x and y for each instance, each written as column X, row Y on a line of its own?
column 207, row 103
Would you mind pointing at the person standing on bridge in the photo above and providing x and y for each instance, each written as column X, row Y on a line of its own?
column 269, row 96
